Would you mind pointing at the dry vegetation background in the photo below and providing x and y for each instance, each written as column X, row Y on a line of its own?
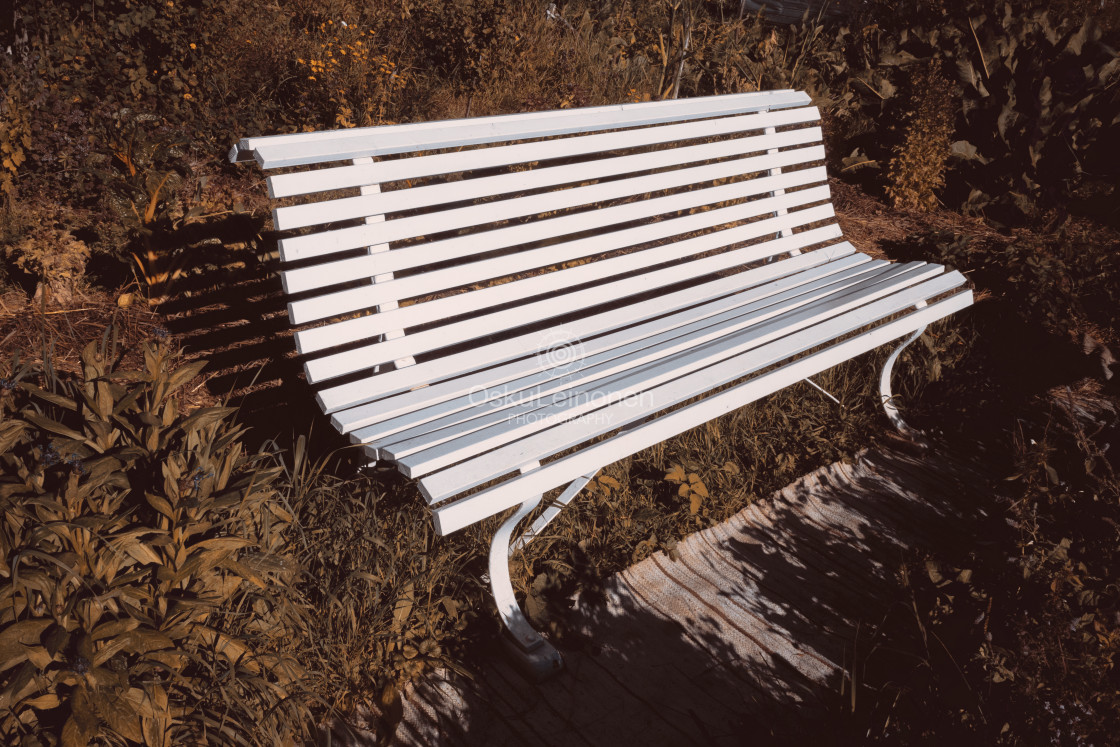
column 178, row 566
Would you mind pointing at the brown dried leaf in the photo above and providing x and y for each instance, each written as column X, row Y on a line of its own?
column 184, row 374
column 38, row 656
column 119, row 713
column 53, row 426
column 43, row 702
column 82, row 726
column 116, row 627
column 221, row 543
column 610, row 482
column 205, row 416
column 403, row 608
column 233, row 649
column 159, row 503
column 156, row 727
column 130, row 544
column 10, row 431
column 16, row 637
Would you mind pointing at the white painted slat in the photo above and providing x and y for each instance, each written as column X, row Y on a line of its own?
column 349, row 208
column 339, row 364
column 308, row 182
column 638, row 113
column 460, row 246
column 517, row 346
column 775, row 172
column 337, row 271
column 480, row 469
column 569, row 433
column 552, row 228
column 331, row 273
column 341, row 145
column 681, row 309
column 466, row 511
column 340, row 239
column 502, row 390
column 471, row 414
column 416, row 167
column 636, row 347
column 355, row 299
column 425, row 454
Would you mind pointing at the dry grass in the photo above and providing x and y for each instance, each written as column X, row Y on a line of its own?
column 872, row 226
column 392, row 599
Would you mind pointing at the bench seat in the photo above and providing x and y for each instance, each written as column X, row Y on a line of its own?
column 461, row 443
column 502, row 306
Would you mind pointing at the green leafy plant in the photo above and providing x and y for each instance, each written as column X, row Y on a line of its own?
column 1038, row 103
column 15, row 139
column 144, row 596
column 1059, row 283
column 691, row 487
column 917, row 170
column 46, row 249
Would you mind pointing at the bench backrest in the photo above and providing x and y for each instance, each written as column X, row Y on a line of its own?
column 423, row 251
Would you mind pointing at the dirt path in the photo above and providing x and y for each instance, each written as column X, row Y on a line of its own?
column 745, row 636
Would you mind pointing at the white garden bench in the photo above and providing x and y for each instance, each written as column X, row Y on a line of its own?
column 502, row 306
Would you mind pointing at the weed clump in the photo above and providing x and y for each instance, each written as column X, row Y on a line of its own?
column 146, row 591
column 392, row 599
column 917, row 171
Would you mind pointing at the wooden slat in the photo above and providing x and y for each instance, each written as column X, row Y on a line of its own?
column 551, row 228
column 425, row 454
column 349, row 208
column 520, row 345
column 502, row 402
column 356, row 299
column 665, row 315
column 503, row 391
column 340, row 364
column 468, row 510
column 341, row 145
column 495, row 394
column 341, row 239
column 326, row 274
column 417, row 167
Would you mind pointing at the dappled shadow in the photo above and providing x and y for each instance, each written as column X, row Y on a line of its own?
column 750, row 634
column 222, row 296
column 1026, row 352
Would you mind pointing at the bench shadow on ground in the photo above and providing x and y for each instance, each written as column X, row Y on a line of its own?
column 749, row 636
column 224, row 303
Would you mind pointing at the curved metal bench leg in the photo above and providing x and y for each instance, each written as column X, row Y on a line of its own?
column 885, row 388
column 532, row 653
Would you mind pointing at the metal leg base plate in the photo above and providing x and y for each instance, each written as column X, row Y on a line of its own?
column 539, row 662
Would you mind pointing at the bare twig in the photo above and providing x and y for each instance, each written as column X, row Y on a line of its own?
column 684, row 52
